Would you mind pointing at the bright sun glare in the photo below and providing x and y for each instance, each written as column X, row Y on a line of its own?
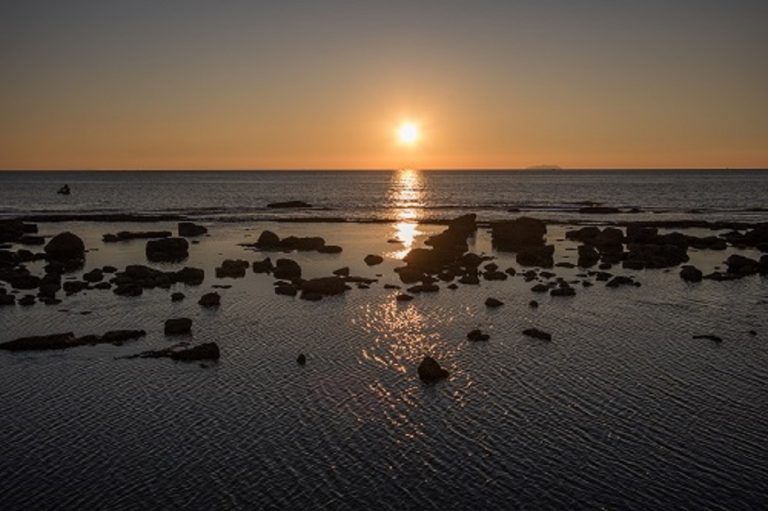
column 408, row 133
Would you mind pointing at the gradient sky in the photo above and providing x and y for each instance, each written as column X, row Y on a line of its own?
column 322, row 84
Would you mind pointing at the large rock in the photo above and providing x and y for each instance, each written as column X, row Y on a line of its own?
column 740, row 265
column 429, row 370
column 188, row 229
column 513, row 235
column 264, row 266
column 373, row 259
column 287, row 269
column 588, row 256
column 268, row 239
column 167, row 250
column 537, row 334
column 65, row 246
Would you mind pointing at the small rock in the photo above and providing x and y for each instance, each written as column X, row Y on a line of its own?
column 301, row 359
column 210, row 300
column 177, row 297
column 403, row 298
column 373, row 260
column 493, row 302
column 477, row 335
column 429, row 370
column 178, row 326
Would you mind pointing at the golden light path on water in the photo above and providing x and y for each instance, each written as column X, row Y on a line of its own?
column 403, row 333
column 407, row 196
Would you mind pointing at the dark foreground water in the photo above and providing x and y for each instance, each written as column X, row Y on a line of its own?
column 622, row 410
column 708, row 195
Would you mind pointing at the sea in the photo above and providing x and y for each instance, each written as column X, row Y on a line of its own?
column 622, row 410
column 387, row 195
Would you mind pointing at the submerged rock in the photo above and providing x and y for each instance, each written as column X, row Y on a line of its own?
column 429, row 370
column 708, row 337
column 68, row 340
column 537, row 334
column 541, row 256
column 205, row 351
column 324, row 286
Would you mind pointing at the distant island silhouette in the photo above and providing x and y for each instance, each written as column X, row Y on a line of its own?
column 544, row 167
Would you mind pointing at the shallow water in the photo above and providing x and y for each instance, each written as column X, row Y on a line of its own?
column 408, row 194
column 622, row 410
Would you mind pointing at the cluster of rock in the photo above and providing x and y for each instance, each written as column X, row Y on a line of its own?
column 183, row 352
column 135, row 278
column 167, row 250
column 185, row 229
column 525, row 237
column 269, row 241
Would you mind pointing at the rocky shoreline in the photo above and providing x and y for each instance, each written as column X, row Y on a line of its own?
column 444, row 262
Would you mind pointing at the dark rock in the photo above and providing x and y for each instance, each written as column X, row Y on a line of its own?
column 287, row 269
column 68, row 340
column 533, row 304
column 205, row 351
column 95, row 275
column 512, row 235
column 495, row 275
column 177, row 297
column 740, row 265
column 6, row 299
column 540, row 288
column 306, row 244
column 588, row 256
column 129, row 289
column 563, row 291
column 286, row 290
column 232, row 268
column 510, row 271
column 403, row 298
column 178, row 326
column 64, row 247
column 709, row 337
column 167, row 250
column 32, row 240
column 27, row 300
column 268, row 239
column 429, row 370
column 188, row 229
column 108, row 269
column 372, row 260
column 691, row 274
column 324, row 286
column 469, row 278
column 127, row 235
column 424, row 288
column 330, row 249
column 541, row 256
column 453, row 286
column 289, row 204
column 210, row 300
column 537, row 334
column 189, row 276
column 264, row 266
column 493, row 302
column 301, row 359
column 565, row 264
column 620, row 280
column 477, row 335
column 311, row 296
column 342, row 272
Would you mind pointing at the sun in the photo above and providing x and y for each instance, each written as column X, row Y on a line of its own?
column 408, row 133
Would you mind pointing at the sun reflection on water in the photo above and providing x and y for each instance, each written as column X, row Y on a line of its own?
column 407, row 198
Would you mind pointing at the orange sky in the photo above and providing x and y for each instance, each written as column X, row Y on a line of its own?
column 492, row 86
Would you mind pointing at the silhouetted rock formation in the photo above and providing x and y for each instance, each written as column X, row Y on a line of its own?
column 430, row 371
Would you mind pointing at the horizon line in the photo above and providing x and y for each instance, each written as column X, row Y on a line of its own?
column 535, row 168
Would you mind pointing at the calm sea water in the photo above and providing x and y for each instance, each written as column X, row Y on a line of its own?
column 395, row 194
column 622, row 410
